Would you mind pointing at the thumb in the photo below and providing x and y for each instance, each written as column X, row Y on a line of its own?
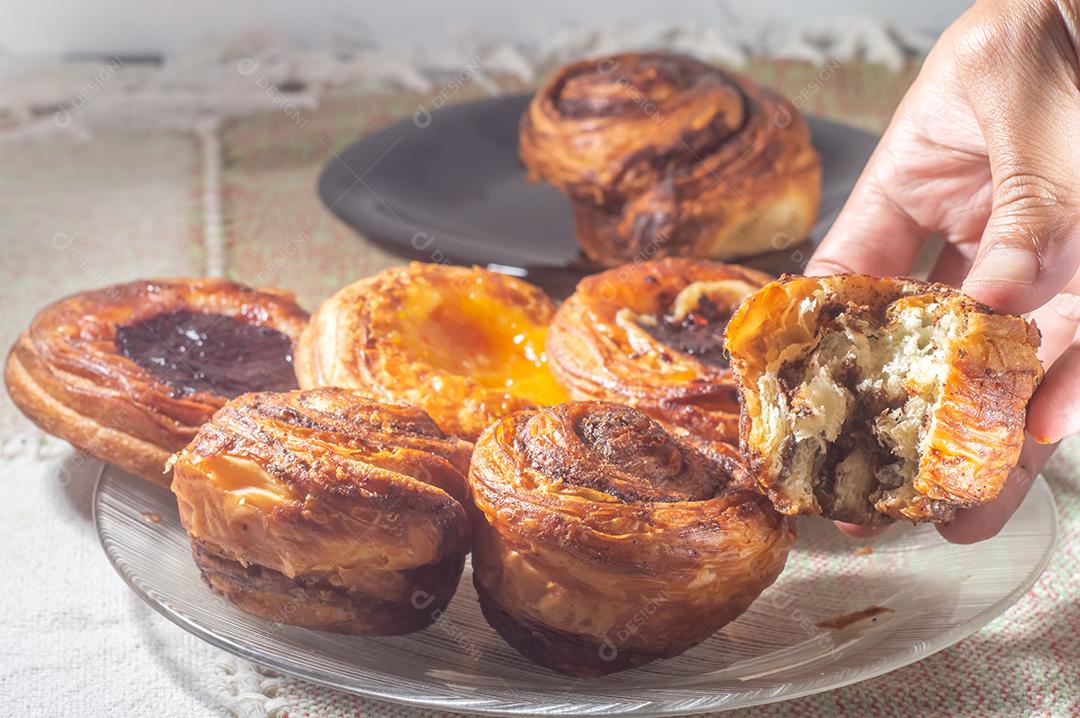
column 1031, row 245
column 1028, row 107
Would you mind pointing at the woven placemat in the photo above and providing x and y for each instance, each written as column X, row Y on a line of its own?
column 82, row 213
column 277, row 232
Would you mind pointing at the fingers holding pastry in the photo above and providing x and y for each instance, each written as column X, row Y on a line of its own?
column 327, row 509
column 1018, row 65
column 129, row 372
column 650, row 335
column 1054, row 412
column 980, row 151
column 589, row 514
column 466, row 344
column 662, row 155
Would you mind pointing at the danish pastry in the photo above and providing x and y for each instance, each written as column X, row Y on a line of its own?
column 465, row 344
column 663, row 155
column 651, row 335
column 327, row 509
column 873, row 399
column 128, row 373
column 602, row 542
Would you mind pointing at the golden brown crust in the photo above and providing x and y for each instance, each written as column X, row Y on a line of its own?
column 664, row 155
column 589, row 516
column 328, row 509
column 986, row 369
column 466, row 344
column 604, row 341
column 67, row 375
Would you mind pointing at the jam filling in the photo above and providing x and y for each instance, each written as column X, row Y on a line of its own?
column 700, row 333
column 209, row 353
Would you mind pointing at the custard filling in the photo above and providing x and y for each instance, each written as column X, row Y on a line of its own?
column 469, row 332
column 244, row 482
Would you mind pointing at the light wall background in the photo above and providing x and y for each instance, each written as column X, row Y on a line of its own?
column 168, row 26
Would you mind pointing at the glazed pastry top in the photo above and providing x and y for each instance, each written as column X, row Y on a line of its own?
column 650, row 334
column 590, row 510
column 164, row 353
column 664, row 155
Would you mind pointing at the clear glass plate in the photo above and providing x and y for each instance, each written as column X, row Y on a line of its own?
column 937, row 594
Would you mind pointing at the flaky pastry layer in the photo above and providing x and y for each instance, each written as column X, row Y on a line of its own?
column 650, row 335
column 328, row 490
column 590, row 517
column 871, row 399
column 664, row 155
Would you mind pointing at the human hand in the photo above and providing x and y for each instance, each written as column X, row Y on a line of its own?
column 984, row 150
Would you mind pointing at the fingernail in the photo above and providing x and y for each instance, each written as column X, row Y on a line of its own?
column 1006, row 264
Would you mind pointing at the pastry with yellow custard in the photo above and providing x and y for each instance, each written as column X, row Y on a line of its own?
column 465, row 344
column 327, row 509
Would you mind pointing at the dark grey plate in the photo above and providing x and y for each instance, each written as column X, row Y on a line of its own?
column 450, row 187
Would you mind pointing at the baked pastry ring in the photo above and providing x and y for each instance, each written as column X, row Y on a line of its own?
column 651, row 335
column 661, row 154
column 128, row 373
column 872, row 399
column 466, row 344
column 589, row 516
column 327, row 509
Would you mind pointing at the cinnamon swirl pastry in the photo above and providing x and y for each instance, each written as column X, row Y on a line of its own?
column 651, row 335
column 465, row 344
column 327, row 509
column 602, row 542
column 128, row 373
column 868, row 400
column 661, row 154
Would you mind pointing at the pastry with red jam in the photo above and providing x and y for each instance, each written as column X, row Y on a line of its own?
column 129, row 373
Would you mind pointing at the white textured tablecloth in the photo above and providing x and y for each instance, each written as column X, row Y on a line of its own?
column 74, row 640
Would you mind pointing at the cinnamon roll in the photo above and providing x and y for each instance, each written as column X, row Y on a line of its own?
column 128, row 373
column 465, row 344
column 873, row 399
column 327, row 509
column 661, row 155
column 602, row 542
column 651, row 335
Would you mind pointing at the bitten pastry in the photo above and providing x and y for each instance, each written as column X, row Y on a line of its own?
column 603, row 542
column 128, row 373
column 651, row 335
column 661, row 155
column 868, row 400
column 327, row 509
column 465, row 344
